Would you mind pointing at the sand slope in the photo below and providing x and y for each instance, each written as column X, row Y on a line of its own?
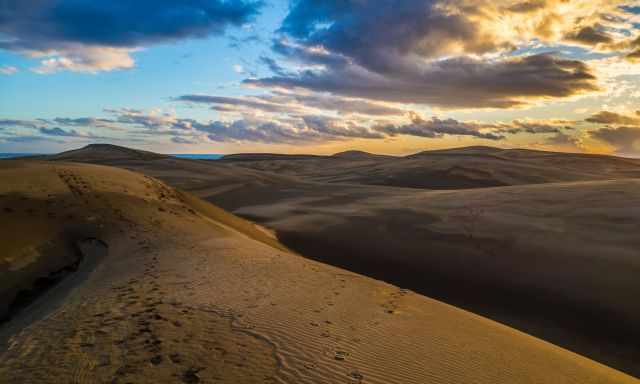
column 189, row 293
column 556, row 260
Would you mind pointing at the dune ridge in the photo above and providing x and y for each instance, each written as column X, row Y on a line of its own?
column 456, row 168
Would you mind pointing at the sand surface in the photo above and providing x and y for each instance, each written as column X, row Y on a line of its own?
column 557, row 259
column 188, row 293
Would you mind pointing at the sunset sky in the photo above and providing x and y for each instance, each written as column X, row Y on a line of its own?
column 313, row 76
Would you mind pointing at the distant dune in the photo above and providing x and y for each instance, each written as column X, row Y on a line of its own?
column 554, row 259
column 359, row 155
column 457, row 168
column 267, row 156
column 189, row 293
column 104, row 152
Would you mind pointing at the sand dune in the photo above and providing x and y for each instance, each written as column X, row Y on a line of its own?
column 189, row 293
column 556, row 260
column 459, row 168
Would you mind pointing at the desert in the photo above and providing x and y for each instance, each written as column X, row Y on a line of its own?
column 178, row 289
column 320, row 191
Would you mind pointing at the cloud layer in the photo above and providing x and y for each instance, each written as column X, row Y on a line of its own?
column 621, row 131
column 447, row 53
column 452, row 83
column 90, row 36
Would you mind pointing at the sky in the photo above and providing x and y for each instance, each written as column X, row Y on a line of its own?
column 320, row 76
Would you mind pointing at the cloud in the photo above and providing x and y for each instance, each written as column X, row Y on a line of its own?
column 87, row 122
column 90, row 36
column 273, row 66
column 448, row 53
column 304, row 128
column 624, row 139
column 437, row 128
column 381, row 34
column 342, row 105
column 182, row 140
column 634, row 55
column 591, row 35
column 563, row 140
column 294, row 103
column 8, row 70
column 307, row 129
column 621, row 131
column 339, row 128
column 29, row 139
column 19, row 123
column 452, row 83
column 536, row 126
column 59, row 132
column 613, row 118
column 237, row 42
column 16, row 130
column 227, row 102
column 243, row 130
column 238, row 68
column 84, row 59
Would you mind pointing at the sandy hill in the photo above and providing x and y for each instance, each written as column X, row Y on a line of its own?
column 553, row 247
column 359, row 155
column 267, row 157
column 471, row 150
column 105, row 152
column 458, row 168
column 175, row 289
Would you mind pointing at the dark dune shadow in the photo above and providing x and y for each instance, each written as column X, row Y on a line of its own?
column 444, row 273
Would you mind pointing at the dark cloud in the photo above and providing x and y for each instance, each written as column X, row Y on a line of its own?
column 237, row 42
column 182, row 140
column 337, row 128
column 623, row 139
column 93, row 36
column 255, row 131
column 42, row 25
column 450, row 54
column 436, row 128
column 379, row 34
column 591, row 35
column 308, row 55
column 612, row 118
column 459, row 82
column 273, row 66
column 634, row 56
column 536, row 127
column 57, row 131
column 528, row 6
